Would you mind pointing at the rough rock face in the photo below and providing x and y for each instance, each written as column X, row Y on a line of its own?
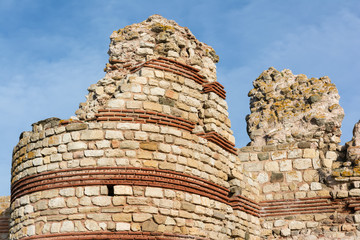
column 137, row 43
column 287, row 108
column 353, row 150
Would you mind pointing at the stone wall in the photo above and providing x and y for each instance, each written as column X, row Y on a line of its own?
column 150, row 154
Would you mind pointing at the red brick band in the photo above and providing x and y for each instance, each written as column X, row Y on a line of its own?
column 215, row 87
column 246, row 205
column 104, row 235
column 118, row 176
column 142, row 116
column 219, row 140
column 298, row 206
column 169, row 65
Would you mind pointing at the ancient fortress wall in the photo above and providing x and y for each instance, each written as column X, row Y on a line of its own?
column 150, row 154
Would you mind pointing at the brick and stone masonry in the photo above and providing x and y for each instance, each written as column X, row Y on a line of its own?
column 150, row 154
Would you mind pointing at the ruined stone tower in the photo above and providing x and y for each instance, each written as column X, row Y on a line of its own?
column 150, row 154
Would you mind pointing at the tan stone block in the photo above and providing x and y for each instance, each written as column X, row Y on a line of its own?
column 137, row 200
column 92, row 135
column 152, row 106
column 129, row 144
column 58, row 202
column 122, row 217
column 152, row 146
column 154, row 192
column 149, row 226
column 92, row 190
column 114, row 134
column 92, row 225
column 72, row 202
column 311, row 175
column 303, row 163
column 141, row 217
column 101, row 201
column 151, row 163
column 123, row 226
column 123, row 190
column 309, row 153
column 271, row 166
column 294, row 176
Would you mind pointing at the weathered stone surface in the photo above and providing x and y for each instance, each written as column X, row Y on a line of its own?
column 295, row 111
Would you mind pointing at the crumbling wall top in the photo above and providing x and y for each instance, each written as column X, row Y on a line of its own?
column 293, row 108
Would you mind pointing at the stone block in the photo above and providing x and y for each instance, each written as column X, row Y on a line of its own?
column 286, row 165
column 149, row 226
column 57, row 202
column 152, row 146
column 92, row 225
column 92, row 191
column 309, row 153
column 278, row 155
column 274, row 187
column 302, row 163
column 141, row 217
column 253, row 166
column 112, row 134
column 271, row 166
column 67, row 226
column 75, row 127
column 122, row 217
column 92, row 135
column 101, row 201
column 311, row 175
column 122, row 190
column 293, row 176
column 263, row 156
column 154, row 192
column 315, row 186
column 296, row 225
column 276, row 177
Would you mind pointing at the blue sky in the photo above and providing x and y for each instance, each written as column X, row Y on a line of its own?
column 51, row 51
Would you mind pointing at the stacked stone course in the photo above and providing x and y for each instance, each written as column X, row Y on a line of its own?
column 150, row 154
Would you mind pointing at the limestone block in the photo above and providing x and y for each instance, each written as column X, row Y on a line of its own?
column 137, row 200
column 309, row 153
column 311, row 175
column 354, row 192
column 112, row 134
column 92, row 135
column 122, row 190
column 271, row 166
column 315, row 186
column 76, row 127
column 285, row 165
column 116, row 103
column 263, row 177
column 253, row 166
column 301, row 163
column 274, row 187
column 92, row 190
column 331, row 155
column 293, row 176
column 92, row 225
column 93, row 153
column 101, row 201
column 57, row 203
column 295, row 153
column 154, row 192
column 67, row 192
column 122, row 217
column 296, row 225
column 141, row 217
column 278, row 155
column 67, row 226
column 76, row 146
